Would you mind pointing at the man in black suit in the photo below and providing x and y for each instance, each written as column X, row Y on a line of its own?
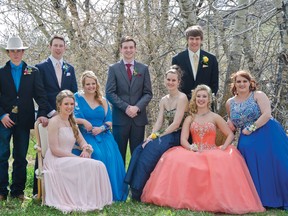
column 19, row 85
column 57, row 75
column 198, row 66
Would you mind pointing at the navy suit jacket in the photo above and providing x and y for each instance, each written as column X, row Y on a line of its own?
column 207, row 74
column 50, row 80
column 31, row 86
column 120, row 92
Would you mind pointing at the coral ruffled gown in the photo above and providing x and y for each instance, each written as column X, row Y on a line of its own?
column 210, row 180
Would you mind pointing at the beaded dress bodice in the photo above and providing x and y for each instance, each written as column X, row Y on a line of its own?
column 244, row 113
column 203, row 135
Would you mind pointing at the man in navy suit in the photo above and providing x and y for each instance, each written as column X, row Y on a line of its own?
column 128, row 89
column 203, row 71
column 19, row 85
column 53, row 82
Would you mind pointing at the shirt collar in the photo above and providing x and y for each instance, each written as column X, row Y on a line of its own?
column 54, row 60
column 192, row 53
column 132, row 63
column 15, row 67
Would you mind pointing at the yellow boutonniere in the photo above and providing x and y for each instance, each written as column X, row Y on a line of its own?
column 205, row 60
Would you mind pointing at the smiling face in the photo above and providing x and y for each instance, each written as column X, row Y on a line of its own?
column 90, row 85
column 202, row 99
column 194, row 43
column 57, row 48
column 128, row 50
column 66, row 107
column 242, row 84
column 171, row 81
column 16, row 56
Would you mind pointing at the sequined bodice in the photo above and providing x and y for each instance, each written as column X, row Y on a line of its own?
column 203, row 135
column 169, row 115
column 244, row 113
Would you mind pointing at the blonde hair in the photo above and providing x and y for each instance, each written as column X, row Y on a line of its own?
column 98, row 93
column 59, row 99
column 192, row 105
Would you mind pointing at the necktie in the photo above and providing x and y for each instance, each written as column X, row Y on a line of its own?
column 129, row 72
column 195, row 64
column 58, row 73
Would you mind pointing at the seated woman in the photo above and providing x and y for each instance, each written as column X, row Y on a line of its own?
column 72, row 183
column 202, row 176
column 93, row 114
column 146, row 156
column 262, row 142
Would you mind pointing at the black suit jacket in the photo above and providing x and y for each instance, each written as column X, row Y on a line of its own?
column 207, row 74
column 50, row 80
column 31, row 86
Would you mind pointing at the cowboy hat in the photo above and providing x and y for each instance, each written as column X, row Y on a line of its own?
column 15, row 43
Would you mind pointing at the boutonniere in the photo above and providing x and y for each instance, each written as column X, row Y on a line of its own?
column 205, row 61
column 28, row 70
column 65, row 68
column 136, row 73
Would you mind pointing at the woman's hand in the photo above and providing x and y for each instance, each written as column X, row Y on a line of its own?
column 85, row 154
column 231, row 125
column 246, row 132
column 87, row 125
column 146, row 142
column 96, row 130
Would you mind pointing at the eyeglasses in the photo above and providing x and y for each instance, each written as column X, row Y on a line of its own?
column 15, row 51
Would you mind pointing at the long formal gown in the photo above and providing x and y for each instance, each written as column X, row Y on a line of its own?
column 265, row 151
column 74, row 183
column 104, row 145
column 209, row 180
column 143, row 161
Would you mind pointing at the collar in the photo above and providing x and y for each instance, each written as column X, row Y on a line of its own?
column 54, row 60
column 192, row 53
column 132, row 62
column 15, row 67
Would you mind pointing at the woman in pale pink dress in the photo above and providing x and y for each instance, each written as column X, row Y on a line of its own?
column 202, row 176
column 72, row 183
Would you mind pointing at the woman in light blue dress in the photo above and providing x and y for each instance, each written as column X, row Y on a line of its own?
column 93, row 115
column 262, row 142
column 166, row 134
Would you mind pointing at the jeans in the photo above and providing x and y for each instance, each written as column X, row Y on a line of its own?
column 20, row 147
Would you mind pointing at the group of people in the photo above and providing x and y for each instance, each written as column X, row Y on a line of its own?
column 178, row 165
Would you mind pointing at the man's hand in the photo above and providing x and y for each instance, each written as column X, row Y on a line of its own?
column 7, row 122
column 43, row 120
column 132, row 111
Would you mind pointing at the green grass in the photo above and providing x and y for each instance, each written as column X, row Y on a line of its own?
column 128, row 208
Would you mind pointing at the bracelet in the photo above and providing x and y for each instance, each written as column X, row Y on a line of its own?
column 154, row 135
column 193, row 147
column 252, row 127
column 88, row 148
column 102, row 127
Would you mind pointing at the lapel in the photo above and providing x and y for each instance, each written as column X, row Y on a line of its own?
column 52, row 72
column 188, row 63
column 21, row 85
column 123, row 71
column 200, row 65
column 136, row 67
column 10, row 77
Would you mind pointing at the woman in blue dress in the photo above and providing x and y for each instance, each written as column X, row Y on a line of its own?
column 262, row 141
column 93, row 115
column 145, row 157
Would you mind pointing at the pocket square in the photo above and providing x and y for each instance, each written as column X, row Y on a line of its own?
column 204, row 66
column 68, row 74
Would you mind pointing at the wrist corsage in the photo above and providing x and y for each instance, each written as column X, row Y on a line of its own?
column 193, row 147
column 88, row 148
column 252, row 127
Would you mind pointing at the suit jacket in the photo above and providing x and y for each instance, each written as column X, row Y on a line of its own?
column 207, row 74
column 50, row 80
column 31, row 86
column 120, row 92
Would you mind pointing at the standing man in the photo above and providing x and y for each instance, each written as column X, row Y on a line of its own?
column 19, row 85
column 198, row 66
column 128, row 89
column 57, row 75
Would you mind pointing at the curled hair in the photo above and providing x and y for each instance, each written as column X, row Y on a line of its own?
column 59, row 99
column 246, row 75
column 175, row 69
column 194, row 31
column 98, row 93
column 192, row 105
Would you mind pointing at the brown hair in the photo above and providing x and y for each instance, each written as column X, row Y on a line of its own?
column 59, row 99
column 175, row 69
column 246, row 75
column 60, row 37
column 194, row 31
column 91, row 75
column 127, row 39
column 192, row 105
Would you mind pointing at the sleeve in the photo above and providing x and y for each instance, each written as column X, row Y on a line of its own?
column 108, row 117
column 74, row 87
column 77, row 111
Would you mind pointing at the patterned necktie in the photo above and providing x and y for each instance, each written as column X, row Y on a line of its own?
column 195, row 64
column 129, row 72
column 59, row 73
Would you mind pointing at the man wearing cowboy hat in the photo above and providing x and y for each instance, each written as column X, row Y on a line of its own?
column 19, row 85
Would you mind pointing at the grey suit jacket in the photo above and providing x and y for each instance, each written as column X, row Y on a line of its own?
column 120, row 92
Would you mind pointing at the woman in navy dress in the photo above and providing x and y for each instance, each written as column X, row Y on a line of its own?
column 262, row 141
column 93, row 115
column 166, row 134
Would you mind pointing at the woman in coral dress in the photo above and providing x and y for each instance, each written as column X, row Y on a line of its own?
column 94, row 118
column 262, row 142
column 202, row 176
column 72, row 183
column 166, row 134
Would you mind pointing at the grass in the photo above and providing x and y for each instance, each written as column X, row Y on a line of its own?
column 131, row 208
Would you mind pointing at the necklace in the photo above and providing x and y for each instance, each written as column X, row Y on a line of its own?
column 66, row 122
column 203, row 114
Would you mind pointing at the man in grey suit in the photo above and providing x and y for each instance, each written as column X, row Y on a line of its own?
column 128, row 89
